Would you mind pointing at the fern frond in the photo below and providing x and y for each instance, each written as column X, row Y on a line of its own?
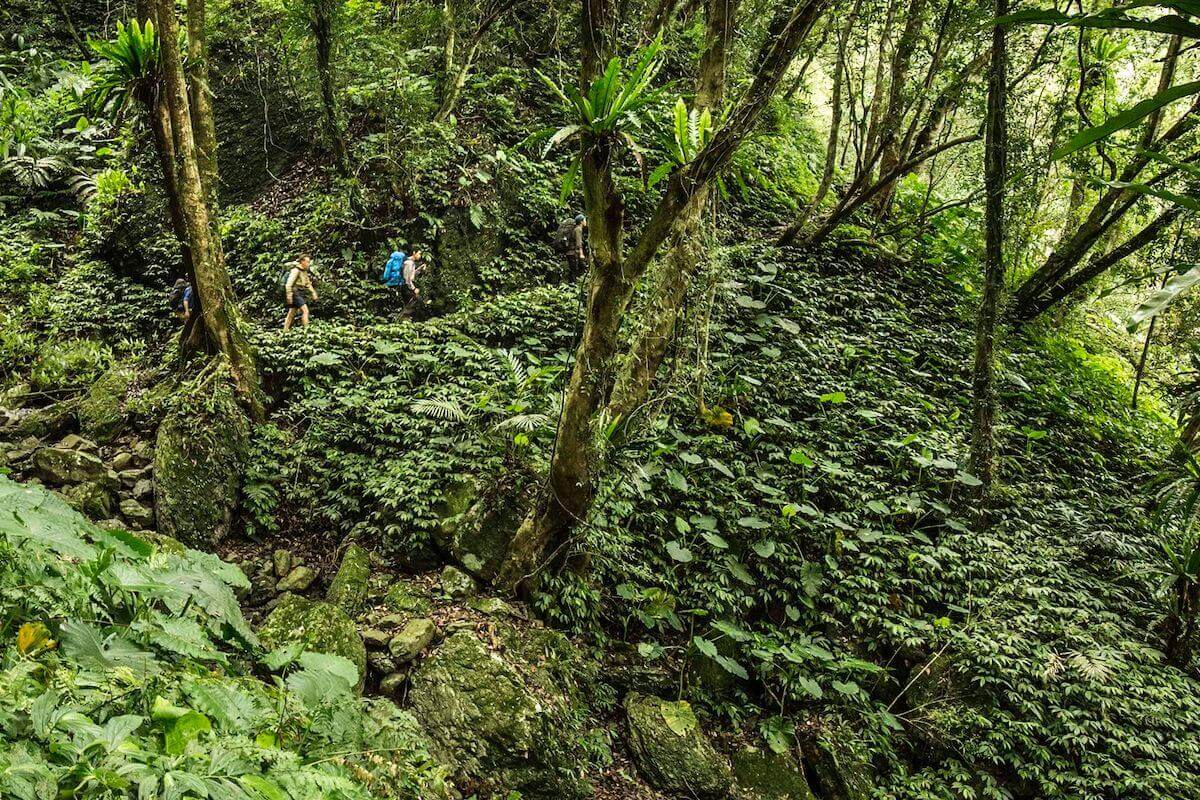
column 440, row 408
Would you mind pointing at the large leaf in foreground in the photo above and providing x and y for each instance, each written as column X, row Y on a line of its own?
column 1160, row 300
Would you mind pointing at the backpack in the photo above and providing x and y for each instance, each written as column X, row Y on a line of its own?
column 175, row 296
column 284, row 274
column 564, row 238
column 393, row 271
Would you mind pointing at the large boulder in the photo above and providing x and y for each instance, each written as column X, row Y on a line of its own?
column 320, row 627
column 671, row 750
column 352, row 582
column 59, row 466
column 765, row 775
column 499, row 721
column 198, row 461
column 102, row 409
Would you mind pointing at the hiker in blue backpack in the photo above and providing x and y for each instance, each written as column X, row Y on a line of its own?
column 183, row 300
column 400, row 273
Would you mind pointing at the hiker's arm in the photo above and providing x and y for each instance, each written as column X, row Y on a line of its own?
column 290, row 285
column 579, row 240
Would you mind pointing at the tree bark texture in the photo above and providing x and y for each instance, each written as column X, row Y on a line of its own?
column 983, row 444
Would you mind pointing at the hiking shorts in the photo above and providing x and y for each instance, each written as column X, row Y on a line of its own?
column 299, row 299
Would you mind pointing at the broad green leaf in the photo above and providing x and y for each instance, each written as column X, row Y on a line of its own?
column 679, row 716
column 1164, row 297
column 678, row 552
column 1127, row 118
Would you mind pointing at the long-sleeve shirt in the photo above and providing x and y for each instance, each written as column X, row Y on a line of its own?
column 410, row 272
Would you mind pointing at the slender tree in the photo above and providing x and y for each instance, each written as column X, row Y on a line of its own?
column 983, row 445
column 321, row 19
column 222, row 322
column 456, row 67
column 686, row 246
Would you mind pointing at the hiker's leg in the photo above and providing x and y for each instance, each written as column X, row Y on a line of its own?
column 291, row 315
column 304, row 315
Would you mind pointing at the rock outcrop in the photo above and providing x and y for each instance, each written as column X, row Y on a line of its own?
column 499, row 721
column 320, row 627
column 352, row 582
column 671, row 751
column 764, row 775
column 198, row 462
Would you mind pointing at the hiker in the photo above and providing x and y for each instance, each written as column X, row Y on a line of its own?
column 409, row 293
column 298, row 290
column 182, row 300
column 571, row 241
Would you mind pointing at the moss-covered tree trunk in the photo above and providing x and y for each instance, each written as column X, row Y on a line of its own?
column 222, row 322
column 614, row 274
column 456, row 69
column 204, row 126
column 686, row 249
column 983, row 444
column 321, row 21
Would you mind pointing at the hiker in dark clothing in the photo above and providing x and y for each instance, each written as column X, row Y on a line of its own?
column 183, row 300
column 571, row 241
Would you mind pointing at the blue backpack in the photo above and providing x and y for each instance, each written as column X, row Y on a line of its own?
column 393, row 271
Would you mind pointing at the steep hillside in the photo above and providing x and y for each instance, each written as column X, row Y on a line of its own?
column 792, row 558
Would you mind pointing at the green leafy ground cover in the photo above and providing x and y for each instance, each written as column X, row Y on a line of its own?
column 810, row 560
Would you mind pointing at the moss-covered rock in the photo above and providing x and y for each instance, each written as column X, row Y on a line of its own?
column 102, row 409
column 477, row 525
column 199, row 456
column 50, row 422
column 840, row 764
column 765, row 775
column 297, row 580
column 352, row 582
column 494, row 723
column 402, row 597
column 91, row 499
column 320, row 627
column 456, row 583
column 58, row 466
column 411, row 640
column 671, row 750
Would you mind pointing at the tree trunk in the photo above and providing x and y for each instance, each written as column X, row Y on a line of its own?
column 455, row 75
column 200, row 100
column 894, row 110
column 983, row 443
column 685, row 248
column 221, row 319
column 321, row 24
column 613, row 276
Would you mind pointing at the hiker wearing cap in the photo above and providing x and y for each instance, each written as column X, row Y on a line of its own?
column 298, row 290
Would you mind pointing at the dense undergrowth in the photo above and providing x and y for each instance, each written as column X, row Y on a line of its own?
column 812, row 552
column 130, row 671
column 781, row 538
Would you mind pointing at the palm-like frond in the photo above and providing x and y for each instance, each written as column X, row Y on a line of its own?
column 440, row 408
